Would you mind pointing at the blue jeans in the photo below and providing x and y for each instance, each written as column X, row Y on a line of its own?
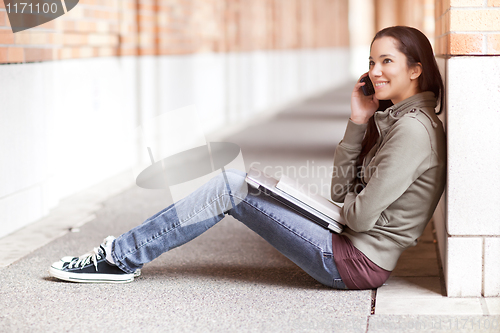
column 302, row 241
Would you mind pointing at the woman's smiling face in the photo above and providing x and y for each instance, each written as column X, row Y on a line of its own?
column 389, row 72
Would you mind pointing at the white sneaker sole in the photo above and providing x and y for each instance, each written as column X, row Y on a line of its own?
column 90, row 277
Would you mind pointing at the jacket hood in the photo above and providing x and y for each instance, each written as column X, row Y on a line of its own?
column 424, row 101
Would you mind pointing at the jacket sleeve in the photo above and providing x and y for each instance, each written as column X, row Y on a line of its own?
column 405, row 155
column 344, row 160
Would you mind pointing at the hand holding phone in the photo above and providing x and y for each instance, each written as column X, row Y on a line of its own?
column 368, row 87
column 363, row 107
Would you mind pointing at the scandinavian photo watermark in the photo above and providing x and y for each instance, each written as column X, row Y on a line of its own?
column 419, row 324
column 314, row 179
column 27, row 14
column 480, row 324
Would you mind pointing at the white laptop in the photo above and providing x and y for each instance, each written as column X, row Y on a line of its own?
column 317, row 208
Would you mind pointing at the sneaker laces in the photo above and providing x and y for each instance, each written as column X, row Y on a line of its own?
column 87, row 258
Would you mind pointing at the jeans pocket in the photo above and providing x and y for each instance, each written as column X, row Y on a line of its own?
column 339, row 284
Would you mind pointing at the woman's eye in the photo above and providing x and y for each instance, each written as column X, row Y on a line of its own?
column 386, row 61
column 371, row 63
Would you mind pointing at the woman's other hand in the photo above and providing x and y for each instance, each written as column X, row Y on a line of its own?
column 362, row 107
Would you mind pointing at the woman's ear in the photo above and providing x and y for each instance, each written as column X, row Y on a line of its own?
column 416, row 71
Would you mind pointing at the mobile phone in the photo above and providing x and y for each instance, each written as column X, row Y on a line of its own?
column 368, row 87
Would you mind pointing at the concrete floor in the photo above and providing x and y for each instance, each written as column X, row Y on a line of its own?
column 228, row 279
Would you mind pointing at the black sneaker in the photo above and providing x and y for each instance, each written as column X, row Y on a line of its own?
column 91, row 267
column 68, row 259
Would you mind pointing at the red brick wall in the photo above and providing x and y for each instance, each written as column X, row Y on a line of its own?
column 467, row 27
column 96, row 28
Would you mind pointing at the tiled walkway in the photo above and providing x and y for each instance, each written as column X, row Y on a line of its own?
column 228, row 279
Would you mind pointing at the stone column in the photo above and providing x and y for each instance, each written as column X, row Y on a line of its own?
column 386, row 13
column 468, row 218
column 361, row 31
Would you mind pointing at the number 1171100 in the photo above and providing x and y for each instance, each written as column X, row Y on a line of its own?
column 30, row 9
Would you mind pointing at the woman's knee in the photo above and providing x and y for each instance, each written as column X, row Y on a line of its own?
column 235, row 180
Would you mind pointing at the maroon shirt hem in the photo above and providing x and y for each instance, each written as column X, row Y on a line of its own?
column 355, row 269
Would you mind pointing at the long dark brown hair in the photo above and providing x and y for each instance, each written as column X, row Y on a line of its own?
column 417, row 49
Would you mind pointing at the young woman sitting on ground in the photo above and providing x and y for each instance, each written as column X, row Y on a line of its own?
column 393, row 164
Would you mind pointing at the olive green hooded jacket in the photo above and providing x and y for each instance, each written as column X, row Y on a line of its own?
column 388, row 204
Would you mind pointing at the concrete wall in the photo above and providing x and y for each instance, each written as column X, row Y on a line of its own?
column 70, row 124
